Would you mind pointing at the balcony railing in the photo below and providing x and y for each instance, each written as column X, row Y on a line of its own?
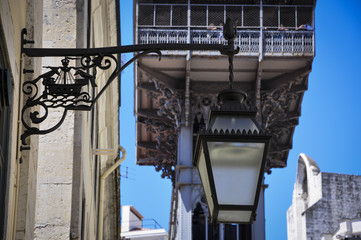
column 251, row 42
column 143, row 224
column 288, row 42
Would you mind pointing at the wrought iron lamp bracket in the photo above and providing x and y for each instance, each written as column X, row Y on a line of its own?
column 68, row 86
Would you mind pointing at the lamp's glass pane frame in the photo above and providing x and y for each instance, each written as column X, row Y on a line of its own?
column 203, row 174
column 235, row 168
column 203, row 146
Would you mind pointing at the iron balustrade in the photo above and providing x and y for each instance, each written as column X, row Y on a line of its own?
column 259, row 26
column 154, row 36
column 289, row 42
column 250, row 42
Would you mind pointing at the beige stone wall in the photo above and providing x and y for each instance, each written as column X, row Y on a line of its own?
column 104, row 33
column 28, row 170
column 12, row 20
column 105, row 133
column 55, row 161
column 59, row 176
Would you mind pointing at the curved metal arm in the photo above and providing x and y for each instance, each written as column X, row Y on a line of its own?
column 32, row 130
column 119, row 70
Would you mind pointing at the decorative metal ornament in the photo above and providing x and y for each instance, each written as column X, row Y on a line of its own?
column 67, row 87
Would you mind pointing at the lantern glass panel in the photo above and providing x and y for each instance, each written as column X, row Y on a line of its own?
column 203, row 173
column 236, row 168
column 234, row 216
column 232, row 122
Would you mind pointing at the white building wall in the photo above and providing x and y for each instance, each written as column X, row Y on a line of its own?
column 132, row 227
column 307, row 191
column 130, row 220
column 321, row 201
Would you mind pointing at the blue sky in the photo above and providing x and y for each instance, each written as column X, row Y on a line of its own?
column 144, row 188
column 329, row 128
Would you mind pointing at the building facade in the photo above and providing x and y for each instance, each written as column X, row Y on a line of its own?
column 50, row 188
column 174, row 96
column 325, row 205
column 134, row 226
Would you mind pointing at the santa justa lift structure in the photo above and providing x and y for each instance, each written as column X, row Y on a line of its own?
column 173, row 97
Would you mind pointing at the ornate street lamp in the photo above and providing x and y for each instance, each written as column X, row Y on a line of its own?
column 230, row 156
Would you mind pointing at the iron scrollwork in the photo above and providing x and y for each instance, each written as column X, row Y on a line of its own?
column 68, row 87
column 276, row 120
column 169, row 102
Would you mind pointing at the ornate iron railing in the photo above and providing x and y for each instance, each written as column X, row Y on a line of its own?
column 288, row 42
column 250, row 42
column 154, row 36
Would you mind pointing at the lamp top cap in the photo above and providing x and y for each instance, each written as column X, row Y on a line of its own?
column 228, row 96
column 230, row 29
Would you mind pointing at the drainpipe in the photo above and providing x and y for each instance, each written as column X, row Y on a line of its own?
column 101, row 190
